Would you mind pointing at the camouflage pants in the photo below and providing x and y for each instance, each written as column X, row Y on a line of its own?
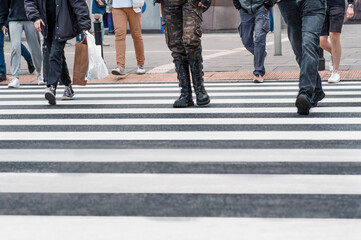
column 182, row 22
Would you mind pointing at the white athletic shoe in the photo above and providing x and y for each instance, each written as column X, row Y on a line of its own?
column 118, row 71
column 140, row 69
column 335, row 77
column 15, row 83
column 40, row 78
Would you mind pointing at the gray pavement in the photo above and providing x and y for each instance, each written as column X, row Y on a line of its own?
column 222, row 52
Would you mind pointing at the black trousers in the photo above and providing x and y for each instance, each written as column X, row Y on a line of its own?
column 58, row 70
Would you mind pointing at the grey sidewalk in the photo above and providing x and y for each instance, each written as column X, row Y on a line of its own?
column 223, row 52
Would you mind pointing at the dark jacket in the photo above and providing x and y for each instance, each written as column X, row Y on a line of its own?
column 72, row 17
column 17, row 12
column 251, row 6
column 98, row 10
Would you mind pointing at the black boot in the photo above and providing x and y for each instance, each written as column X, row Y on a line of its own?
column 185, row 99
column 196, row 65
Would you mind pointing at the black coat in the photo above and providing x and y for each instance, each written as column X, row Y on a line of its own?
column 72, row 17
column 17, row 12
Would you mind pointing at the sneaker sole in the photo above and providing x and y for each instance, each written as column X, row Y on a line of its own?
column 51, row 98
column 13, row 86
column 303, row 105
column 117, row 73
column 334, row 82
column 67, row 98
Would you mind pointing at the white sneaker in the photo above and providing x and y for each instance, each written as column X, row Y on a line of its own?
column 141, row 69
column 330, row 65
column 118, row 71
column 335, row 77
column 40, row 78
column 15, row 83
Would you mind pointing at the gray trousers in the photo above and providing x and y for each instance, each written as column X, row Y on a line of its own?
column 253, row 30
column 16, row 29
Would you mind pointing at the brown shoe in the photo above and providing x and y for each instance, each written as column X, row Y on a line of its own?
column 258, row 79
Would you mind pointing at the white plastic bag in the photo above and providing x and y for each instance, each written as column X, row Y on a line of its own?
column 96, row 68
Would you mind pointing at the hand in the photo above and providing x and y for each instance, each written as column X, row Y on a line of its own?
column 204, row 3
column 278, row 1
column 38, row 24
column 201, row 5
column 5, row 30
column 100, row 2
column 350, row 12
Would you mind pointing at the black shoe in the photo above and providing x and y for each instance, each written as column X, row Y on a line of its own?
column 31, row 66
column 50, row 95
column 184, row 79
column 303, row 104
column 317, row 97
column 196, row 65
column 2, row 77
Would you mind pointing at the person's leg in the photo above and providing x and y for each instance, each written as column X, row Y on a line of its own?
column 16, row 29
column 313, row 15
column 120, row 20
column 46, row 61
column 292, row 16
column 337, row 15
column 56, row 53
column 25, row 53
column 172, row 10
column 325, row 32
column 261, row 28
column 135, row 25
column 271, row 19
column 246, row 30
column 2, row 58
column 33, row 39
column 192, row 33
column 173, row 28
column 336, row 49
column 27, row 56
column 110, row 23
column 325, row 44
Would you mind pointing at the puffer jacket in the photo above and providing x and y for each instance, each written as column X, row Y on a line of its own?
column 251, row 6
column 72, row 17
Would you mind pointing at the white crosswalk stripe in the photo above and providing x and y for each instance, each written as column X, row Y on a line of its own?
column 119, row 158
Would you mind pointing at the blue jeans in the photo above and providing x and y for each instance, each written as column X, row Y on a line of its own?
column 304, row 20
column 253, row 30
column 2, row 58
column 25, row 53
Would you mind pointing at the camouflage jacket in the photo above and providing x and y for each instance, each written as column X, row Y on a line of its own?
column 251, row 6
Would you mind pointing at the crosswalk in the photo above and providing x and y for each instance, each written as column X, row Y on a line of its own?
column 118, row 162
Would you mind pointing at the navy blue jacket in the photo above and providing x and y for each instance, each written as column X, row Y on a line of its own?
column 72, row 17
column 17, row 12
